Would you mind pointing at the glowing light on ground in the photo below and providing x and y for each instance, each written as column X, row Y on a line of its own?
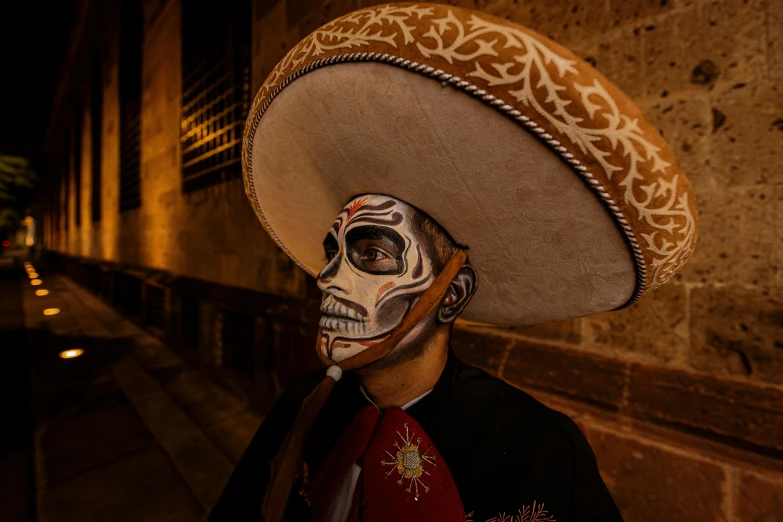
column 42, row 292
column 70, row 354
column 36, row 282
column 51, row 311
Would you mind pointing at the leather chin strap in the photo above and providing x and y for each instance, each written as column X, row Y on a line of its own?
column 284, row 465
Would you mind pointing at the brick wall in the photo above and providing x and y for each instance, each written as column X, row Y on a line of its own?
column 680, row 395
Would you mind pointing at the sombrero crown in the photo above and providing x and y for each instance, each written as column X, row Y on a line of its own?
column 569, row 199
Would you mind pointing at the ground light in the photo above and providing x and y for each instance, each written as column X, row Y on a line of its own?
column 70, row 354
column 42, row 292
column 51, row 311
column 36, row 282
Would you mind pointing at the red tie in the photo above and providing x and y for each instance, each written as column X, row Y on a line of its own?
column 403, row 475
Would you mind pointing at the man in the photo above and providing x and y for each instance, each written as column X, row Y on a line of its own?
column 507, row 452
column 569, row 200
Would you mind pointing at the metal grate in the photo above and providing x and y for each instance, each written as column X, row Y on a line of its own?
column 96, row 122
column 189, row 322
column 215, row 90
column 130, row 105
column 238, row 336
column 127, row 293
column 65, row 165
column 77, row 162
column 155, row 307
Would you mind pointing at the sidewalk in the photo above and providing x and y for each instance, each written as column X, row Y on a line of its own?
column 128, row 430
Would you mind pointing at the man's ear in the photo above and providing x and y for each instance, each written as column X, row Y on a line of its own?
column 458, row 295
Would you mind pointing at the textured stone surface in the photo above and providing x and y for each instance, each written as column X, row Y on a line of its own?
column 759, row 499
column 739, row 238
column 593, row 379
column 705, row 45
column 654, row 329
column 738, row 332
column 650, row 483
column 742, row 413
column 81, row 442
column 686, row 124
column 746, row 147
column 202, row 401
column 775, row 40
column 480, row 348
column 141, row 486
column 564, row 331
column 233, row 435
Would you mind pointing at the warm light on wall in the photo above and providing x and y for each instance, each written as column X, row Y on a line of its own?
column 70, row 354
column 51, row 311
column 42, row 292
column 36, row 282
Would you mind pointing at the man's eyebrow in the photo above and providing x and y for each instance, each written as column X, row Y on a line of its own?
column 373, row 232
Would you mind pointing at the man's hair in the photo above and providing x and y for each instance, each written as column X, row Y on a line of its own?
column 441, row 245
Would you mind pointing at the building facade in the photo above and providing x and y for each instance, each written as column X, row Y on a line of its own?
column 681, row 395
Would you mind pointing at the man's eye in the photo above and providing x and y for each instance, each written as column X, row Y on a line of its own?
column 373, row 254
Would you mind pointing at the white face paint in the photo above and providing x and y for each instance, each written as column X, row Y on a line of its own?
column 377, row 267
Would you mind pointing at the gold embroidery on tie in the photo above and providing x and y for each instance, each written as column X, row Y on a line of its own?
column 409, row 462
column 534, row 513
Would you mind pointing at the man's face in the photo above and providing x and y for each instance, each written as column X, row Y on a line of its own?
column 377, row 265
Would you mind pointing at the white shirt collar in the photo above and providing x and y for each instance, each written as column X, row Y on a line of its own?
column 404, row 406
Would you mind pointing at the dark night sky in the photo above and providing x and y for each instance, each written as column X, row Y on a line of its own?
column 33, row 44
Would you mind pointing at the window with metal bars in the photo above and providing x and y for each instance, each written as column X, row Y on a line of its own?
column 65, row 165
column 96, row 122
column 155, row 306
column 238, row 340
column 215, row 90
column 189, row 322
column 130, row 105
column 77, row 162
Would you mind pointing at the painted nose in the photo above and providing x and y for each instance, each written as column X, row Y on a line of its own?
column 335, row 277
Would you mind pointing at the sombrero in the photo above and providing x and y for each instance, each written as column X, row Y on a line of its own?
column 569, row 199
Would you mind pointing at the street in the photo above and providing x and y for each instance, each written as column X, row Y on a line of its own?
column 126, row 430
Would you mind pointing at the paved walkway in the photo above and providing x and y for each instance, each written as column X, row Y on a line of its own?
column 17, row 494
column 127, row 431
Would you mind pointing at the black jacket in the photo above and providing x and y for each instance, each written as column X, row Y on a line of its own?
column 504, row 448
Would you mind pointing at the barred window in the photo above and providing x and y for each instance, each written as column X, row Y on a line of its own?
column 66, row 163
column 238, row 341
column 130, row 105
column 96, row 122
column 78, row 127
column 215, row 90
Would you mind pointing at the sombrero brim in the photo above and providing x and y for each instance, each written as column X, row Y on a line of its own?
column 552, row 233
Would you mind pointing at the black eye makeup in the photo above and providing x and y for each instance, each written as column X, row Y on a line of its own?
column 375, row 250
column 331, row 247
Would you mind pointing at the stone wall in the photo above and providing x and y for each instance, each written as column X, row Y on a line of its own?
column 681, row 395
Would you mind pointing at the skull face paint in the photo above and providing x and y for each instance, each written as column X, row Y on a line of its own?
column 377, row 266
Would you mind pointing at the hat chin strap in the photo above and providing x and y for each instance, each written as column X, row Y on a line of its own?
column 284, row 465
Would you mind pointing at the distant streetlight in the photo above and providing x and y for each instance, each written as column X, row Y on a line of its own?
column 51, row 311
column 42, row 292
column 36, row 282
column 70, row 354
